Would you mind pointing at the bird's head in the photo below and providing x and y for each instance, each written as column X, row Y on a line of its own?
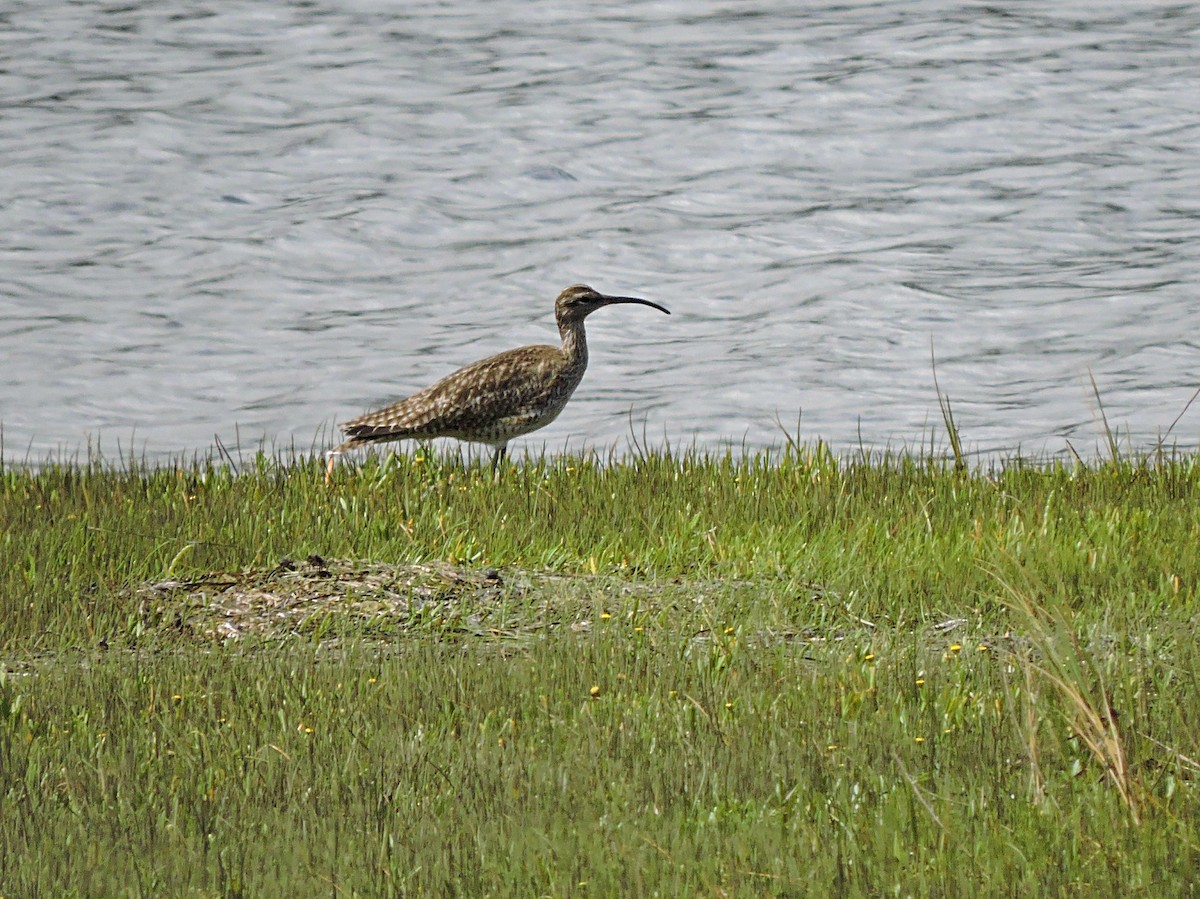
column 579, row 301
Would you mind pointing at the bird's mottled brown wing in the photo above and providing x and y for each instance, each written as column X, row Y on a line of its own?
column 479, row 402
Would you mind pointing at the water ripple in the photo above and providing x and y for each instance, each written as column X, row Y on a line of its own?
column 252, row 220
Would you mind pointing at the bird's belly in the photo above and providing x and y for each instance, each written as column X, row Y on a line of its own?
column 507, row 427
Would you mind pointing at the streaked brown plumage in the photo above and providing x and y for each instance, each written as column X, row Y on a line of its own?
column 495, row 399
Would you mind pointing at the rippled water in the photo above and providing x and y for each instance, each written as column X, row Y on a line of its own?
column 251, row 220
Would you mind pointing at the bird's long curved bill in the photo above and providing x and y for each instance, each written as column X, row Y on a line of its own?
column 609, row 301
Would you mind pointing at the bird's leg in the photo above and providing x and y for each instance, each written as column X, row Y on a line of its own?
column 497, row 458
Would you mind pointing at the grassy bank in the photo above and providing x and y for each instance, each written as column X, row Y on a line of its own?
column 789, row 675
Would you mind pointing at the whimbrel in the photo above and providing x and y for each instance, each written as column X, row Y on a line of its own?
column 495, row 399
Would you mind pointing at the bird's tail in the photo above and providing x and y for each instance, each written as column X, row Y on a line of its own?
column 332, row 456
column 359, row 435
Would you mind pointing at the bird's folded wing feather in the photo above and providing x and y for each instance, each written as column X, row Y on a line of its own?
column 513, row 384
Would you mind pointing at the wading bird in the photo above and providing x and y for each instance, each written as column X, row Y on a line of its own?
column 495, row 399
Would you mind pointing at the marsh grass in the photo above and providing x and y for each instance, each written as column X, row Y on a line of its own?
column 783, row 674
column 953, row 434
column 1055, row 653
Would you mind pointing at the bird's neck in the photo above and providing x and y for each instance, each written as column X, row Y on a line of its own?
column 574, row 344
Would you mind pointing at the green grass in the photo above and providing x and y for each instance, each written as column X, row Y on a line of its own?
column 787, row 675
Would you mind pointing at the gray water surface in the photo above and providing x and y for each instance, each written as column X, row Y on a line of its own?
column 252, row 220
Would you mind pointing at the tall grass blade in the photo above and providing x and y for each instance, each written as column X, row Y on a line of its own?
column 960, row 463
